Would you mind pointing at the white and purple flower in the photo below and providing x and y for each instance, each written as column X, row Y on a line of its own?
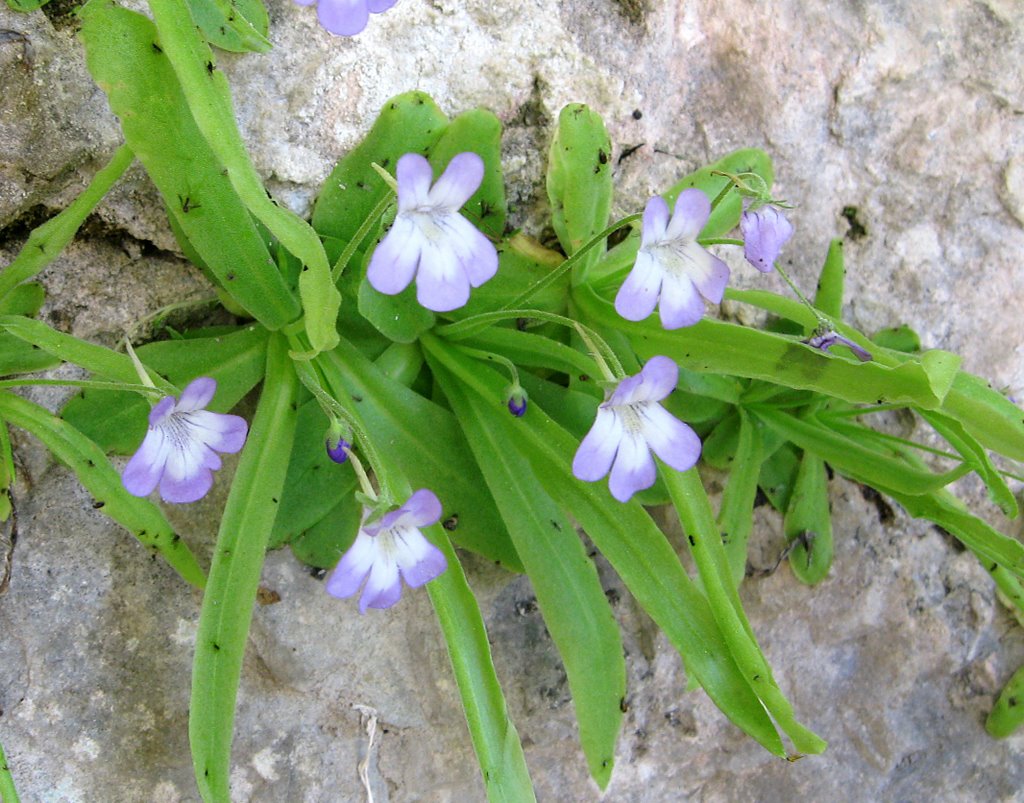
column 179, row 452
column 389, row 550
column 631, row 423
column 430, row 240
column 672, row 267
column 765, row 231
column 346, row 17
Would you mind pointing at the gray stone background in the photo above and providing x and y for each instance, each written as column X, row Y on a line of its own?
column 907, row 115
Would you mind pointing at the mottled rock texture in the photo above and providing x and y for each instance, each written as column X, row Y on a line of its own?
column 898, row 126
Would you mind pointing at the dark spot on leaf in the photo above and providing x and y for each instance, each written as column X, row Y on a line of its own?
column 623, row 705
column 157, row 48
column 97, row 505
column 230, row 277
column 602, row 156
column 210, row 68
column 693, row 541
column 451, row 523
column 556, row 525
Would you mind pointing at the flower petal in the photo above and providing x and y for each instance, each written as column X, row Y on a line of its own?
column 633, row 470
column 161, row 410
column 188, row 473
column 343, row 17
column 441, row 282
column 689, row 216
column 418, row 560
column 673, row 441
column 395, row 258
column 353, row 567
column 654, row 222
column 597, row 450
column 377, row 6
column 476, row 254
column 225, row 433
column 638, row 295
column 422, row 509
column 709, row 274
column 458, row 182
column 660, row 377
column 383, row 588
column 144, row 470
column 197, row 394
column 681, row 303
column 414, row 175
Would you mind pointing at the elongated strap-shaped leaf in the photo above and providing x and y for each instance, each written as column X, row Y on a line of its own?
column 828, row 296
column 45, row 242
column 235, row 572
column 140, row 517
column 495, row 739
column 975, row 456
column 852, row 456
column 579, row 180
column 694, row 509
column 130, row 63
column 564, row 579
column 105, row 363
column 234, row 25
column 808, row 521
column 648, row 565
column 736, row 515
column 209, row 100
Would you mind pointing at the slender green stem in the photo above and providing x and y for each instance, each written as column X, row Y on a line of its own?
column 47, row 241
column 492, row 357
column 8, row 794
column 360, row 235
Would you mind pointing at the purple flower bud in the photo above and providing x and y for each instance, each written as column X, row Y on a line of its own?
column 825, row 340
column 179, row 452
column 346, row 17
column 517, row 401
column 765, row 231
column 339, row 453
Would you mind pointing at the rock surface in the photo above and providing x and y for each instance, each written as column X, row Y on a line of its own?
column 897, row 126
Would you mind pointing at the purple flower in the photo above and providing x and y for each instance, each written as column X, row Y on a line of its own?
column 430, row 239
column 180, row 449
column 629, row 424
column 387, row 548
column 671, row 266
column 764, row 231
column 825, row 339
column 346, row 17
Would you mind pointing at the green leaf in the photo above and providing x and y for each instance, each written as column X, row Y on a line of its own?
column 26, row 5
column 808, row 521
column 695, row 516
column 400, row 318
column 1008, row 712
column 829, row 295
column 8, row 793
column 479, row 131
column 25, row 299
column 234, row 575
column 721, row 444
column 140, row 517
column 975, row 456
column 209, row 100
column 778, row 472
column 648, row 565
column 736, row 514
column 238, row 26
column 19, row 357
column 898, row 338
column 579, row 180
column 315, row 485
column 117, row 420
column 131, row 65
column 45, row 242
column 564, row 579
column 409, row 123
